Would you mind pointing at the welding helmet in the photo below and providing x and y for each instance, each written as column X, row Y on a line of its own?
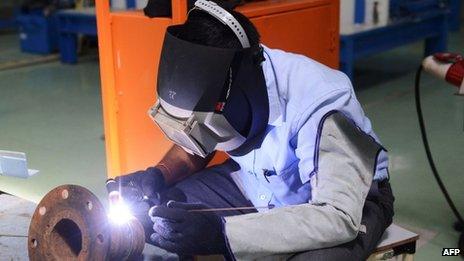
column 211, row 98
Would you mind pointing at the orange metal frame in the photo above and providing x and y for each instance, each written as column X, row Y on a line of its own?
column 130, row 45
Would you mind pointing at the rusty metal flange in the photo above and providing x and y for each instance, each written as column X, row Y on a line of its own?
column 69, row 223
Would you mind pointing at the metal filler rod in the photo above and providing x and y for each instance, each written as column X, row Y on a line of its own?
column 230, row 209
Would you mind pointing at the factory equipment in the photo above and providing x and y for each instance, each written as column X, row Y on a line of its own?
column 70, row 223
column 449, row 67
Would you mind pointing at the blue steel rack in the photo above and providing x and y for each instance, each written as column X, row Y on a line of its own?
column 72, row 23
column 411, row 21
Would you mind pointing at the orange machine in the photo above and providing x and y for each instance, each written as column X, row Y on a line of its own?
column 130, row 45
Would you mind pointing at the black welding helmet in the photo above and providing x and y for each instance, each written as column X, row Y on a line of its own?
column 211, row 98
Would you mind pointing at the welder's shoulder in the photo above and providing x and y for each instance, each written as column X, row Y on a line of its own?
column 308, row 81
column 319, row 80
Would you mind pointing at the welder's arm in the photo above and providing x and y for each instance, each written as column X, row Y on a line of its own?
column 178, row 164
column 175, row 166
column 344, row 172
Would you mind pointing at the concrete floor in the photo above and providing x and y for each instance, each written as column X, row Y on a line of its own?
column 384, row 86
column 53, row 113
column 15, row 216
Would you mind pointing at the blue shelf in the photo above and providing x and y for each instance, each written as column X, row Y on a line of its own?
column 71, row 23
column 432, row 27
column 37, row 33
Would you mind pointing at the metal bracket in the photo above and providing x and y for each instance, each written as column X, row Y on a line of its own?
column 14, row 164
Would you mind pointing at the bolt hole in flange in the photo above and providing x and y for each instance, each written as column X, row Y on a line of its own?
column 42, row 211
column 89, row 205
column 67, row 239
column 65, row 194
column 100, row 239
column 34, row 243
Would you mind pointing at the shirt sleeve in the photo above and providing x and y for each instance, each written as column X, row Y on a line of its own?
column 339, row 183
column 342, row 100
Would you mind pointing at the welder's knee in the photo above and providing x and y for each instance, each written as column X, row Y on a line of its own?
column 377, row 216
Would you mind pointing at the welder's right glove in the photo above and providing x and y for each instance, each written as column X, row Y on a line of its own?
column 137, row 186
column 139, row 191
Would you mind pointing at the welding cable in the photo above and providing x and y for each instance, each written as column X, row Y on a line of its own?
column 428, row 151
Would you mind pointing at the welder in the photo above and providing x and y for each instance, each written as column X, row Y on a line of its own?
column 306, row 179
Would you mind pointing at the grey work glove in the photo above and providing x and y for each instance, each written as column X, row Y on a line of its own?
column 139, row 191
column 181, row 228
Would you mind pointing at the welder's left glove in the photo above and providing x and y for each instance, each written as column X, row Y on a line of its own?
column 178, row 228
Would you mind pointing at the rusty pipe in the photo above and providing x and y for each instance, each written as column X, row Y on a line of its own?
column 70, row 223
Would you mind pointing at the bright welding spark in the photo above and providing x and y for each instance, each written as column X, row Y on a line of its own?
column 119, row 213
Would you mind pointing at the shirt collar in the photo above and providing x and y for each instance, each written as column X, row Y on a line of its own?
column 275, row 106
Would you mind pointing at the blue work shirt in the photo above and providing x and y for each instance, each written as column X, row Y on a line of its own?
column 301, row 91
